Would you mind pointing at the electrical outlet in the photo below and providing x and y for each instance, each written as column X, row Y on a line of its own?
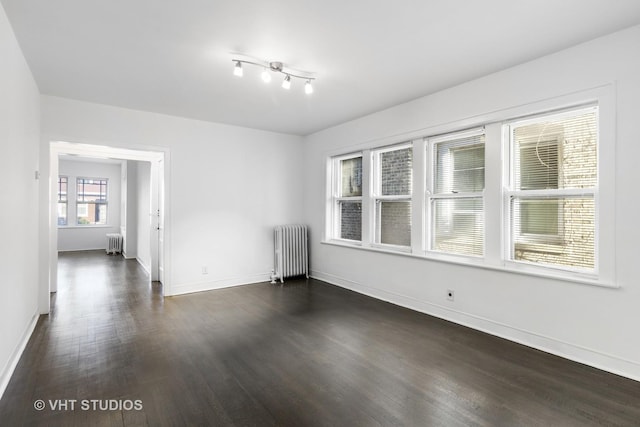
column 205, row 270
column 450, row 294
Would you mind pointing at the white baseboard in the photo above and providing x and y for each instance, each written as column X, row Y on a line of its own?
column 143, row 265
column 187, row 288
column 594, row 358
column 11, row 364
column 83, row 249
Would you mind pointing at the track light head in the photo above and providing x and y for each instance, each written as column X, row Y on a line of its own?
column 237, row 70
column 266, row 77
column 286, row 83
column 308, row 89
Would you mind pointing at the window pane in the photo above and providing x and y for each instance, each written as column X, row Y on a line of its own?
column 92, row 190
column 395, row 223
column 538, row 165
column 101, row 214
column 556, row 153
column 459, row 226
column 557, row 231
column 351, row 173
column 350, row 220
column 62, row 188
column 83, row 213
column 395, row 172
column 62, row 213
column 459, row 165
column 91, row 213
column 539, row 217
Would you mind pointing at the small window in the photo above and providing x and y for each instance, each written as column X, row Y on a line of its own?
column 63, row 184
column 91, row 201
column 455, row 200
column 394, row 181
column 551, row 198
column 348, row 198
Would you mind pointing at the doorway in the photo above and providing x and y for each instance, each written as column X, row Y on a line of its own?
column 156, row 165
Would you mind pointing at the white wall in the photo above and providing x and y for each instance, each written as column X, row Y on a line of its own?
column 129, row 213
column 596, row 325
column 143, row 209
column 82, row 238
column 229, row 186
column 19, row 216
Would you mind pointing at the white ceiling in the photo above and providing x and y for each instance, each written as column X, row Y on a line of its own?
column 174, row 57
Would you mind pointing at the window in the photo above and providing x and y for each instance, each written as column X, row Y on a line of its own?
column 91, row 201
column 455, row 199
column 551, row 197
column 393, row 186
column 526, row 194
column 348, row 198
column 63, row 184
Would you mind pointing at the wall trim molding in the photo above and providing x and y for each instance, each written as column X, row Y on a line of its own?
column 10, row 367
column 144, row 266
column 210, row 285
column 82, row 250
column 576, row 353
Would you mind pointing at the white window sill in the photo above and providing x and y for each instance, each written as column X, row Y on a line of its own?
column 510, row 267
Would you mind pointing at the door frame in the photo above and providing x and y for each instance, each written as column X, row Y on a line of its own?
column 160, row 161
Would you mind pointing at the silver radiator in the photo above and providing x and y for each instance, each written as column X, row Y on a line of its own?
column 114, row 243
column 291, row 255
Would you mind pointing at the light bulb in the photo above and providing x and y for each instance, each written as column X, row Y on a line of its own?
column 308, row 89
column 266, row 77
column 286, row 83
column 237, row 70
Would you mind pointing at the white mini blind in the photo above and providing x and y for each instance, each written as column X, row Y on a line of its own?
column 456, row 204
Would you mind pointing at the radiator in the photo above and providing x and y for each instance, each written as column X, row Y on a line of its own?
column 291, row 256
column 114, row 243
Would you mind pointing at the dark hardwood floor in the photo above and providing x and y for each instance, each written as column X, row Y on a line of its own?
column 303, row 354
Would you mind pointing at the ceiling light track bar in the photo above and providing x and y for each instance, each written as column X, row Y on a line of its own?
column 276, row 67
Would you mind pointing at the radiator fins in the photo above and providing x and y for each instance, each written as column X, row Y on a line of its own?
column 291, row 255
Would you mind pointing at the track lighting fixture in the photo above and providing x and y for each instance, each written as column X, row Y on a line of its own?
column 275, row 67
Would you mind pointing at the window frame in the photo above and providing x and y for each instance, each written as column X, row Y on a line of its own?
column 432, row 195
column 65, row 202
column 510, row 193
column 378, row 198
column 496, row 176
column 79, row 202
column 338, row 199
column 537, row 239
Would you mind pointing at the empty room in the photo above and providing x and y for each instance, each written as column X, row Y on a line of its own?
column 299, row 213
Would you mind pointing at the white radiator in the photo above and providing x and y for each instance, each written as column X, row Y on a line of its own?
column 114, row 243
column 291, row 256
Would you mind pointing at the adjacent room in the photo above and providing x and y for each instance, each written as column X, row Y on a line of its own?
column 319, row 213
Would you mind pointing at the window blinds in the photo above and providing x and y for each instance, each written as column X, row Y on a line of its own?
column 457, row 205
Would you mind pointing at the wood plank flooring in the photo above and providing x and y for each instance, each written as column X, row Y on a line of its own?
column 303, row 354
